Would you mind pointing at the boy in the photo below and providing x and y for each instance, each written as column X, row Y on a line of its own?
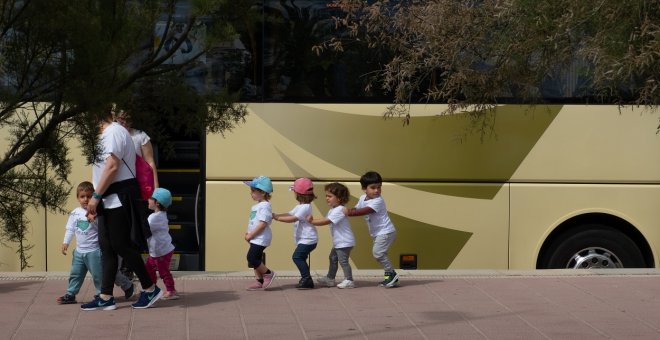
column 87, row 255
column 372, row 206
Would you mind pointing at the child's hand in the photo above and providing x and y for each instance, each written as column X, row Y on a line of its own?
column 310, row 218
column 91, row 217
column 248, row 237
column 65, row 247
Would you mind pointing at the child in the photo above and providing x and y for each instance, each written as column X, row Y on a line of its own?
column 258, row 234
column 343, row 240
column 304, row 233
column 160, row 242
column 87, row 255
column 372, row 206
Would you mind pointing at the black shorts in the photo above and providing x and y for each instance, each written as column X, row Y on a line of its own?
column 255, row 255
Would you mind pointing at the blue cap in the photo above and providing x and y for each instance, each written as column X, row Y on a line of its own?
column 262, row 183
column 163, row 196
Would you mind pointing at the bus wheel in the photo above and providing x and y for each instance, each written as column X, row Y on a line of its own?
column 593, row 246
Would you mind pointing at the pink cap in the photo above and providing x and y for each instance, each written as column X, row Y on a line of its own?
column 302, row 186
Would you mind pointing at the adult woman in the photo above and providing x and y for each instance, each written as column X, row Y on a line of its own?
column 117, row 205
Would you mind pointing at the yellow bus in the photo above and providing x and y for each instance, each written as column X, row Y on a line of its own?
column 550, row 186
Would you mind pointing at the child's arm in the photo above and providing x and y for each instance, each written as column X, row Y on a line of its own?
column 287, row 218
column 257, row 230
column 69, row 231
column 318, row 222
column 358, row 211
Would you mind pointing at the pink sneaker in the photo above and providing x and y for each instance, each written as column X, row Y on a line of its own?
column 256, row 286
column 268, row 279
column 170, row 295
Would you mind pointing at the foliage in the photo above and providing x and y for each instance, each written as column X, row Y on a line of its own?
column 64, row 63
column 474, row 54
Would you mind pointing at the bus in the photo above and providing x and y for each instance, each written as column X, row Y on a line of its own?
column 549, row 186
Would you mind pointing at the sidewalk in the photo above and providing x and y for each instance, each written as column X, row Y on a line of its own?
column 446, row 304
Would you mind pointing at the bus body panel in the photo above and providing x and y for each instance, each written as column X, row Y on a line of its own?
column 537, row 209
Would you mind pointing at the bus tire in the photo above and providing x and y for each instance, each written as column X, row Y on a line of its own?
column 593, row 246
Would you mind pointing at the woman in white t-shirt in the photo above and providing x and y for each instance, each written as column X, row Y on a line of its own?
column 304, row 233
column 122, row 223
column 343, row 240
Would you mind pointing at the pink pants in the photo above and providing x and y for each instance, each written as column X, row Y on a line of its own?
column 162, row 265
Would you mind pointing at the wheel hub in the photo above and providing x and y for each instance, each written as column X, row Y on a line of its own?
column 594, row 257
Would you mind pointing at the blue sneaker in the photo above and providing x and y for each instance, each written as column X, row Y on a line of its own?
column 99, row 303
column 147, row 299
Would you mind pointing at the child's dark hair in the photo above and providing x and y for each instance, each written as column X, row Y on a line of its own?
column 370, row 177
column 160, row 206
column 305, row 198
column 85, row 186
column 339, row 190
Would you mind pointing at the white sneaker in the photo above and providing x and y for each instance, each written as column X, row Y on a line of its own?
column 325, row 281
column 346, row 284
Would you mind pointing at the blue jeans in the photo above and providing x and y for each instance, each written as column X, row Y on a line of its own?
column 80, row 264
column 299, row 257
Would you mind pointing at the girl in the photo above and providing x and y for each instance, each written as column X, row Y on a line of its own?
column 343, row 240
column 160, row 242
column 259, row 234
column 304, row 233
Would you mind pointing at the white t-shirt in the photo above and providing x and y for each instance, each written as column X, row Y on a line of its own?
column 303, row 231
column 340, row 228
column 87, row 233
column 115, row 140
column 139, row 138
column 379, row 221
column 261, row 211
column 160, row 242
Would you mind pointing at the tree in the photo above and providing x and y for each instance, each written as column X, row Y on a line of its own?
column 473, row 54
column 64, row 63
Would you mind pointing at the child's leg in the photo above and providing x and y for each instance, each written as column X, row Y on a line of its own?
column 343, row 255
column 163, row 263
column 299, row 257
column 254, row 256
column 77, row 275
column 93, row 263
column 152, row 266
column 332, row 267
column 122, row 281
column 382, row 244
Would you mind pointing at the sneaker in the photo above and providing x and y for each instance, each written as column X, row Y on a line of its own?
column 66, row 299
column 170, row 295
column 268, row 279
column 256, row 286
column 391, row 280
column 99, row 303
column 147, row 299
column 346, row 284
column 326, row 281
column 305, row 283
column 128, row 293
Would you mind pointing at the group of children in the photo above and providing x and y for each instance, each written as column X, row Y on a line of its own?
column 370, row 205
column 87, row 254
